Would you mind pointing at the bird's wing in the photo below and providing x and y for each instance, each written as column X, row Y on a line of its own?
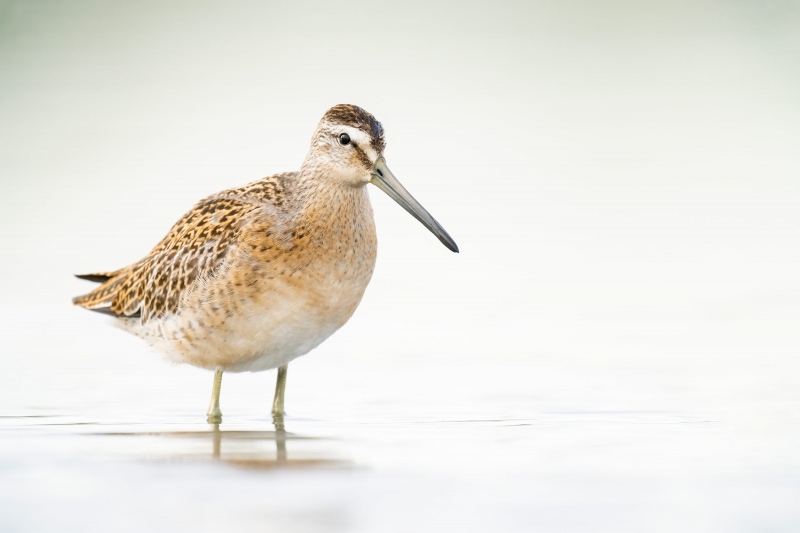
column 193, row 250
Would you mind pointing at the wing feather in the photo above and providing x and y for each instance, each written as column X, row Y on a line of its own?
column 192, row 252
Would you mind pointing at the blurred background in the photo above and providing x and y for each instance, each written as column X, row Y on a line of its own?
column 623, row 180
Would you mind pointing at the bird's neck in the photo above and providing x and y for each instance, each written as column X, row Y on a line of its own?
column 327, row 203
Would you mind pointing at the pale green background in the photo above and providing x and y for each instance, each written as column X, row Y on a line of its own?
column 623, row 180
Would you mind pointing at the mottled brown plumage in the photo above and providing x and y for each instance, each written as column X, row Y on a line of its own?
column 191, row 252
column 255, row 276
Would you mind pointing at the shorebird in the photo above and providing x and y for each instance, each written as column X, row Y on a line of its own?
column 254, row 277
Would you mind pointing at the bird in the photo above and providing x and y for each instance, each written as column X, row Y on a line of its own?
column 253, row 277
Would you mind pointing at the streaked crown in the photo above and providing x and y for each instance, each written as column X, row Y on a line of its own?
column 355, row 117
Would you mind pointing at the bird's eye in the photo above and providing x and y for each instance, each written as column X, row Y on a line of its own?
column 344, row 139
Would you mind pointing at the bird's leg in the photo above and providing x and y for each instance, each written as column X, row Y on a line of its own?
column 280, row 390
column 214, row 413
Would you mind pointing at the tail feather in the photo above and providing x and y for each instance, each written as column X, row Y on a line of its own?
column 102, row 296
column 108, row 311
column 98, row 277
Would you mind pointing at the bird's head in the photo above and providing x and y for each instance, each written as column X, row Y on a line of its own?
column 347, row 147
column 347, row 144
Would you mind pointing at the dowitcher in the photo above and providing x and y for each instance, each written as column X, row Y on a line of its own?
column 253, row 277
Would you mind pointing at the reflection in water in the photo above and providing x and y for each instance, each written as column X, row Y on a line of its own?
column 279, row 436
column 241, row 447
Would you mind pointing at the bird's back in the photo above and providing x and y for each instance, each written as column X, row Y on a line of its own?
column 250, row 272
column 191, row 251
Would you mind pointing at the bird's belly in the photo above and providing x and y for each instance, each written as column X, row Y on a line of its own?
column 259, row 331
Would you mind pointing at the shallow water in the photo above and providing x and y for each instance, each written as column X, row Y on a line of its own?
column 388, row 445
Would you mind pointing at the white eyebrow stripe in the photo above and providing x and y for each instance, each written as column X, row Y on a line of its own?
column 362, row 140
column 356, row 134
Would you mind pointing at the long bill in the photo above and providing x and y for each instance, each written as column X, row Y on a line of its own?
column 383, row 178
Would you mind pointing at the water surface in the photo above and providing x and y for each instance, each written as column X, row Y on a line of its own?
column 386, row 445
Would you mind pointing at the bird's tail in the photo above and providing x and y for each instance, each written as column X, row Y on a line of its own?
column 99, row 277
column 102, row 296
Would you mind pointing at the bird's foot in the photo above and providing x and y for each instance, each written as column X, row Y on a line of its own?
column 277, row 420
column 214, row 416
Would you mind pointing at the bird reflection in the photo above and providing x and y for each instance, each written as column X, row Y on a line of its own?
column 246, row 448
column 279, row 435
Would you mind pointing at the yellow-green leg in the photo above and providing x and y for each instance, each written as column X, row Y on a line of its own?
column 214, row 413
column 280, row 390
